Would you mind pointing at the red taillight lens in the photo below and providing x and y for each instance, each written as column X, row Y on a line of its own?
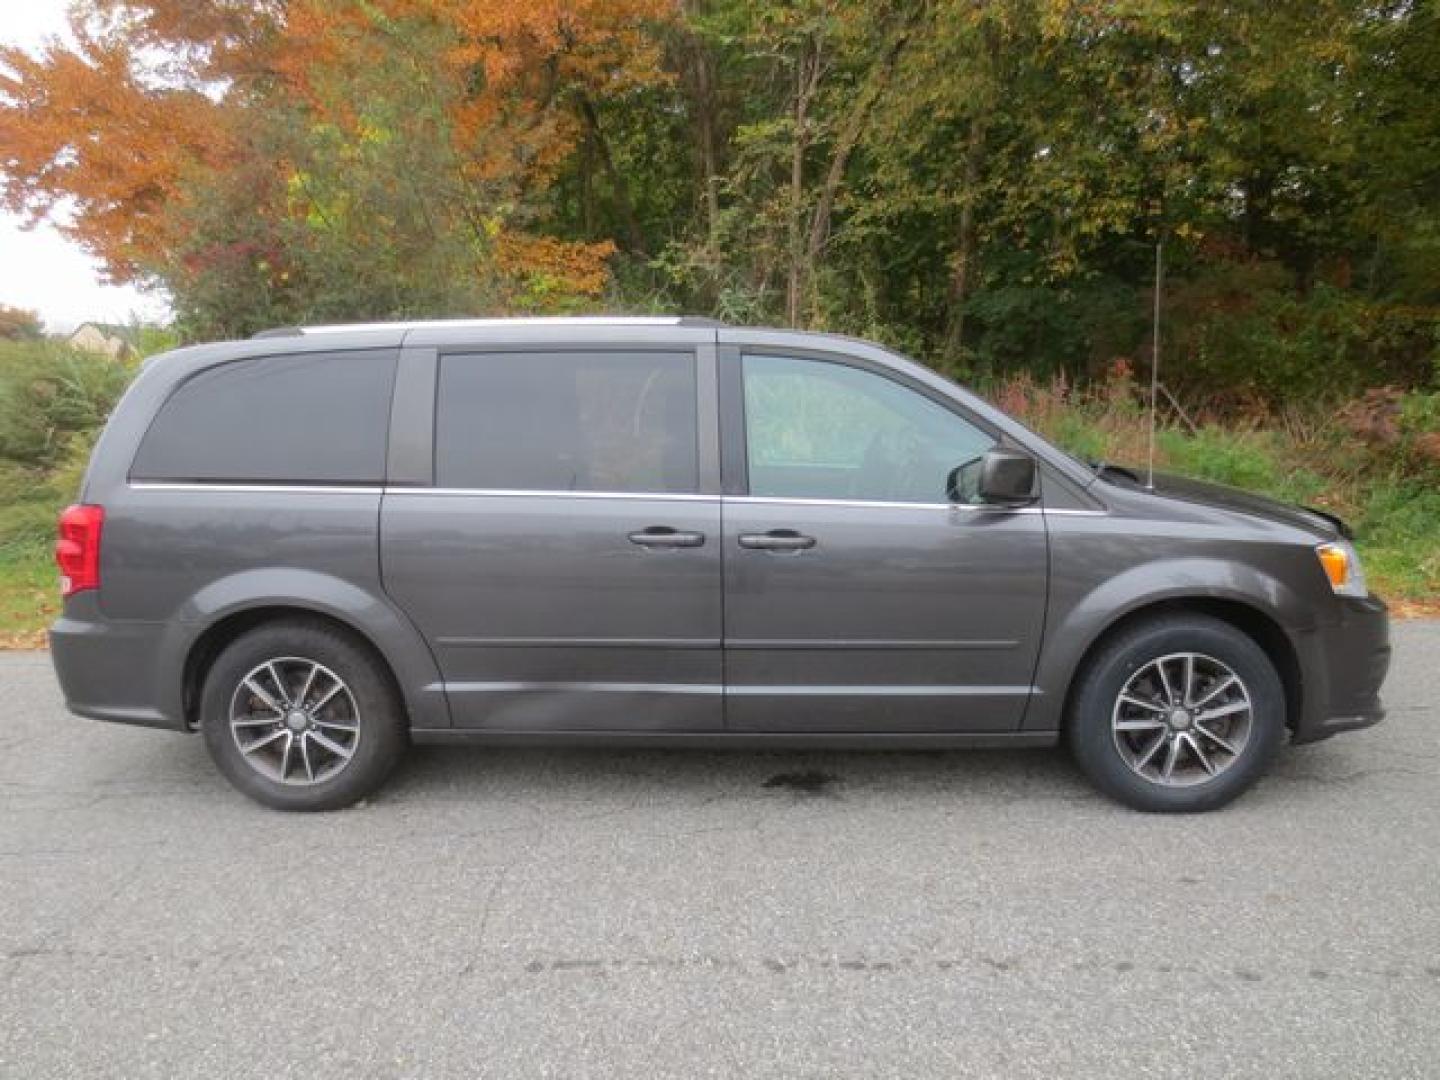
column 77, row 551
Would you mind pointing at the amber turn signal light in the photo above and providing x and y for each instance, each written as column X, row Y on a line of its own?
column 1336, row 563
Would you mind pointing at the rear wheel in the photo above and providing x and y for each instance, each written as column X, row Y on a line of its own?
column 1181, row 713
column 299, row 716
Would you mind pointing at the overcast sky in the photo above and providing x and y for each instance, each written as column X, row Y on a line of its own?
column 39, row 268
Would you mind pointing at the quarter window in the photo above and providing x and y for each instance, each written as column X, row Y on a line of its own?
column 622, row 422
column 816, row 429
column 312, row 417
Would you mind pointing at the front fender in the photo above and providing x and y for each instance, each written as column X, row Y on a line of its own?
column 371, row 616
column 1076, row 620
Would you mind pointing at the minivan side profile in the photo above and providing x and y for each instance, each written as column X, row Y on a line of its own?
column 322, row 544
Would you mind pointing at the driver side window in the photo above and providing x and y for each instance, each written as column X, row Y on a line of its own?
column 821, row 430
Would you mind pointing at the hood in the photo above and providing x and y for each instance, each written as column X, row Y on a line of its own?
column 1204, row 493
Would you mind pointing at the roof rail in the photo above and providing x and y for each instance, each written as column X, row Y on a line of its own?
column 461, row 324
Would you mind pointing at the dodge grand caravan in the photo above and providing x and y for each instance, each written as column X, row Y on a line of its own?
column 320, row 545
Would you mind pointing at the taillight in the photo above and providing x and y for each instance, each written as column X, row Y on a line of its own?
column 77, row 550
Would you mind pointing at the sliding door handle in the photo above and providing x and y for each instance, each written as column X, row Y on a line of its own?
column 777, row 540
column 663, row 536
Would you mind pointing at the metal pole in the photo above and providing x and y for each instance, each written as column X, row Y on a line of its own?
column 1154, row 370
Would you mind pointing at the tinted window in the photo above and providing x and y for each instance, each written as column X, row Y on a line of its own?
column 567, row 422
column 317, row 417
column 821, row 430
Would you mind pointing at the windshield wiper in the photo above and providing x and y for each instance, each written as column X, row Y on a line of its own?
column 1107, row 471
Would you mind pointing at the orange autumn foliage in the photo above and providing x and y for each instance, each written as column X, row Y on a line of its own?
column 80, row 129
column 158, row 92
column 581, row 267
column 508, row 78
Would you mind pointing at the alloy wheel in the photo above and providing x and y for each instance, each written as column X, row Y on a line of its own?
column 294, row 721
column 1182, row 719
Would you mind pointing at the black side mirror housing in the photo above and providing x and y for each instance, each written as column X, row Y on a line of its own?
column 1007, row 478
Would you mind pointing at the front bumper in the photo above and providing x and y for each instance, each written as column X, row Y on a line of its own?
column 1342, row 671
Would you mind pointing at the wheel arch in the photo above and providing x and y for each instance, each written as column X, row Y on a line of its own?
column 1249, row 619
column 219, row 634
column 227, row 608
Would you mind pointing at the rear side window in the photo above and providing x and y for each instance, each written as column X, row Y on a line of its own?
column 311, row 418
column 599, row 421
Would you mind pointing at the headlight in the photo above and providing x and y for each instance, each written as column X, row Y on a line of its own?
column 1342, row 567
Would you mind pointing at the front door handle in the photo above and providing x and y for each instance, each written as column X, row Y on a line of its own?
column 663, row 536
column 777, row 540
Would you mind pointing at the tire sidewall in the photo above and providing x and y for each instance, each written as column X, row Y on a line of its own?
column 1092, row 739
column 381, row 724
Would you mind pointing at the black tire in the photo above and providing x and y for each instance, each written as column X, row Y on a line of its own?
column 1101, row 751
column 380, row 732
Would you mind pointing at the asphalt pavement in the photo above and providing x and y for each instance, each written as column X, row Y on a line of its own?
column 585, row 913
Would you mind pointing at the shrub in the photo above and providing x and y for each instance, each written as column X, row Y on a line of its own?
column 1398, row 429
column 48, row 394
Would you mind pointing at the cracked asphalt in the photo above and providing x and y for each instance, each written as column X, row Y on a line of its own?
column 516, row 913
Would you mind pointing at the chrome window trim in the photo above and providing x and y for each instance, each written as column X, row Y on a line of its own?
column 775, row 500
column 220, row 485
column 645, row 496
column 489, row 493
column 874, row 504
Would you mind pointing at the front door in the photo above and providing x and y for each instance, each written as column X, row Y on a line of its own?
column 857, row 597
column 565, row 565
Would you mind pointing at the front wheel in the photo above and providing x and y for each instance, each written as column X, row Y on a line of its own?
column 300, row 716
column 1180, row 713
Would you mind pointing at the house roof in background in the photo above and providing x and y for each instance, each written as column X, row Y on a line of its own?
column 128, row 334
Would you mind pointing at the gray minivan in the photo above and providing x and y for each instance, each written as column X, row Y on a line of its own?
column 322, row 544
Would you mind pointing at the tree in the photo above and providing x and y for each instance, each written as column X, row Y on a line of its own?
column 981, row 182
column 85, row 128
column 327, row 158
column 19, row 324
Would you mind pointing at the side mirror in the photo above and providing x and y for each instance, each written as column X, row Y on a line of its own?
column 1007, row 478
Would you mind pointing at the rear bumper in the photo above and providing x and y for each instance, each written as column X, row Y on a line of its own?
column 1342, row 671
column 109, row 670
